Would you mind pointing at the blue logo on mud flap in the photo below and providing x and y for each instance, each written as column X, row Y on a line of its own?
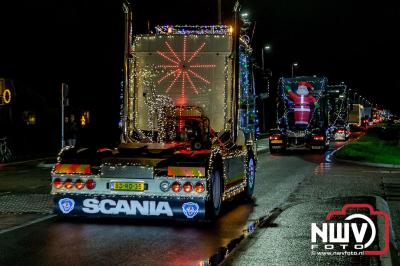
column 66, row 205
column 190, row 209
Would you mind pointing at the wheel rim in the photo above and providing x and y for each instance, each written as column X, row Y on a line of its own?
column 216, row 190
column 251, row 174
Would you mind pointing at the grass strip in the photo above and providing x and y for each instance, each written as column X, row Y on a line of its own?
column 370, row 148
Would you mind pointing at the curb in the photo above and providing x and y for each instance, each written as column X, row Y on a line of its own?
column 264, row 150
column 222, row 253
column 383, row 165
column 27, row 161
column 390, row 258
column 46, row 165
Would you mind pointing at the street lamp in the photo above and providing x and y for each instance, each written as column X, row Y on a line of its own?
column 295, row 64
column 268, row 48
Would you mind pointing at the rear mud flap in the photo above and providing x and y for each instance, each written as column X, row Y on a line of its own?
column 129, row 207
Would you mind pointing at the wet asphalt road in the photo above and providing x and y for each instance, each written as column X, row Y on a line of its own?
column 126, row 242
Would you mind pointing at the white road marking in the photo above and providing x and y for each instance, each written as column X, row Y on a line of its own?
column 38, row 220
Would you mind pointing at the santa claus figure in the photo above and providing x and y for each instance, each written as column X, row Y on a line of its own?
column 303, row 102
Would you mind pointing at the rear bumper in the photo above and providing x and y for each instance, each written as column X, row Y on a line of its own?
column 149, row 207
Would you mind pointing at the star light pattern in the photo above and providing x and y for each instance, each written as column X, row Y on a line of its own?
column 181, row 69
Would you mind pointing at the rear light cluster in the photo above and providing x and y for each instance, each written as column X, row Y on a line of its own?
column 341, row 131
column 274, row 137
column 78, row 184
column 318, row 138
column 186, row 187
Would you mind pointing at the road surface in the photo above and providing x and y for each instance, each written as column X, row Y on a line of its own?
column 293, row 177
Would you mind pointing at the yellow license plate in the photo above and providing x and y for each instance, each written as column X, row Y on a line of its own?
column 127, row 186
column 276, row 141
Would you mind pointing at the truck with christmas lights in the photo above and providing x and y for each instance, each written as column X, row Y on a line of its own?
column 338, row 111
column 356, row 114
column 302, row 120
column 188, row 122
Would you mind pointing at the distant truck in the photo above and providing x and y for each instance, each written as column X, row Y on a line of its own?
column 356, row 114
column 367, row 113
column 338, row 106
column 303, row 120
column 188, row 132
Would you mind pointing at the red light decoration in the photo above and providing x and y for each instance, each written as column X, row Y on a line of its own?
column 182, row 67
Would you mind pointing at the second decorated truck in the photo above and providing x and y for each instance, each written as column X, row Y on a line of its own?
column 302, row 118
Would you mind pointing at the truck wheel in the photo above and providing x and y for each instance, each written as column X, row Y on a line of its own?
column 250, row 177
column 215, row 200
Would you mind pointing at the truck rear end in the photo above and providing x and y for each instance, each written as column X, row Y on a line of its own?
column 302, row 115
column 338, row 102
column 184, row 150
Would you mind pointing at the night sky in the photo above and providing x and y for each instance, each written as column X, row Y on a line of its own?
column 44, row 43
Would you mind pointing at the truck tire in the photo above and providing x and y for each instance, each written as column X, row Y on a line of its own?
column 213, row 207
column 250, row 177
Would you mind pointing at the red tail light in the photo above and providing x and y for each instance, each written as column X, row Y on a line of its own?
column 318, row 138
column 68, row 184
column 79, row 184
column 199, row 187
column 90, row 184
column 340, row 131
column 187, row 187
column 57, row 183
column 176, row 187
column 274, row 137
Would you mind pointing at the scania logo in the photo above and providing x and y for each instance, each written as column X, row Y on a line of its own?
column 66, row 205
column 132, row 207
column 190, row 209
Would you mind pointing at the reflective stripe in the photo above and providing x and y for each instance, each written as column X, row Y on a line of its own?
column 186, row 171
column 72, row 168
